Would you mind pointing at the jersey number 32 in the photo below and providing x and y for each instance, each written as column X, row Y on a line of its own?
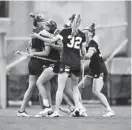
column 74, row 42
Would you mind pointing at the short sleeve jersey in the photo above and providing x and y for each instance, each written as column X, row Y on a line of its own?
column 97, row 64
column 71, row 47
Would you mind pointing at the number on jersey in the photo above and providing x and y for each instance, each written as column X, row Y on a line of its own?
column 74, row 42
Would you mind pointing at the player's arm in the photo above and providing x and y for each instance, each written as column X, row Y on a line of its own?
column 45, row 52
column 90, row 52
column 83, row 49
column 49, row 40
column 58, row 47
column 46, row 34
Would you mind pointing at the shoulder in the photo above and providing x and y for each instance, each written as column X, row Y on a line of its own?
column 93, row 43
column 66, row 30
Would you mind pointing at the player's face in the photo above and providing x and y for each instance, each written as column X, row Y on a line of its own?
column 40, row 23
column 90, row 34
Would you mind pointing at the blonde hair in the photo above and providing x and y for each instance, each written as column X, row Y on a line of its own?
column 75, row 24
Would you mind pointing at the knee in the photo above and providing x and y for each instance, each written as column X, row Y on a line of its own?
column 96, row 92
column 31, row 86
column 39, row 83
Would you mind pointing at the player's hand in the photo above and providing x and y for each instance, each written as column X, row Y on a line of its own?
column 31, row 54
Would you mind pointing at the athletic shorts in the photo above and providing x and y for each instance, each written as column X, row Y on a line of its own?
column 92, row 74
column 55, row 67
column 74, row 70
column 35, row 66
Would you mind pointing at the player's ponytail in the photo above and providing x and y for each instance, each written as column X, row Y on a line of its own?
column 75, row 24
column 92, row 29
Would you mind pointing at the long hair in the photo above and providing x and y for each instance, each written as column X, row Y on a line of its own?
column 91, row 29
column 75, row 24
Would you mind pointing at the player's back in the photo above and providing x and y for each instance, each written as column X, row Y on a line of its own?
column 37, row 43
column 71, row 47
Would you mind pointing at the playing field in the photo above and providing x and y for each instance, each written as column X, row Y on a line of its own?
column 94, row 121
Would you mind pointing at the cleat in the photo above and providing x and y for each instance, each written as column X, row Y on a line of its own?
column 84, row 114
column 109, row 114
column 55, row 114
column 67, row 111
column 38, row 116
column 75, row 113
column 44, row 113
column 82, row 108
column 23, row 114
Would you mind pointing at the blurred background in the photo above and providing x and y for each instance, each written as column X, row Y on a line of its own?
column 113, row 28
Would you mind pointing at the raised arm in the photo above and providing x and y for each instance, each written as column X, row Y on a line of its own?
column 46, row 34
column 49, row 40
column 90, row 52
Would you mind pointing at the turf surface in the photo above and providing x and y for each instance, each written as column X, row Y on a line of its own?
column 94, row 121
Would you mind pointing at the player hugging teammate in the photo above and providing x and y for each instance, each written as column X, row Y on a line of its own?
column 72, row 41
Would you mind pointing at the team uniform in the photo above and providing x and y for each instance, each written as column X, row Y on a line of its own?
column 97, row 67
column 70, row 60
column 35, row 65
column 54, row 55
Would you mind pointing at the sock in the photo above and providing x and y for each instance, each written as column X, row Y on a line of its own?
column 46, row 103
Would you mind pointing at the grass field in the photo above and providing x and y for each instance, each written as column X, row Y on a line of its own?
column 94, row 121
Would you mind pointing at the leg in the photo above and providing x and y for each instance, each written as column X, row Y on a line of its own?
column 62, row 78
column 48, row 89
column 28, row 93
column 68, row 98
column 79, row 108
column 42, row 81
column 27, row 96
column 76, row 93
column 41, row 101
column 97, row 86
column 68, row 93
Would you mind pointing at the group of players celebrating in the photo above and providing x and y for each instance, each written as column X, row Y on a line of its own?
column 63, row 51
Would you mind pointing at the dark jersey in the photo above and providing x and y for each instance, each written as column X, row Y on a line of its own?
column 54, row 54
column 37, row 43
column 97, row 65
column 71, row 47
